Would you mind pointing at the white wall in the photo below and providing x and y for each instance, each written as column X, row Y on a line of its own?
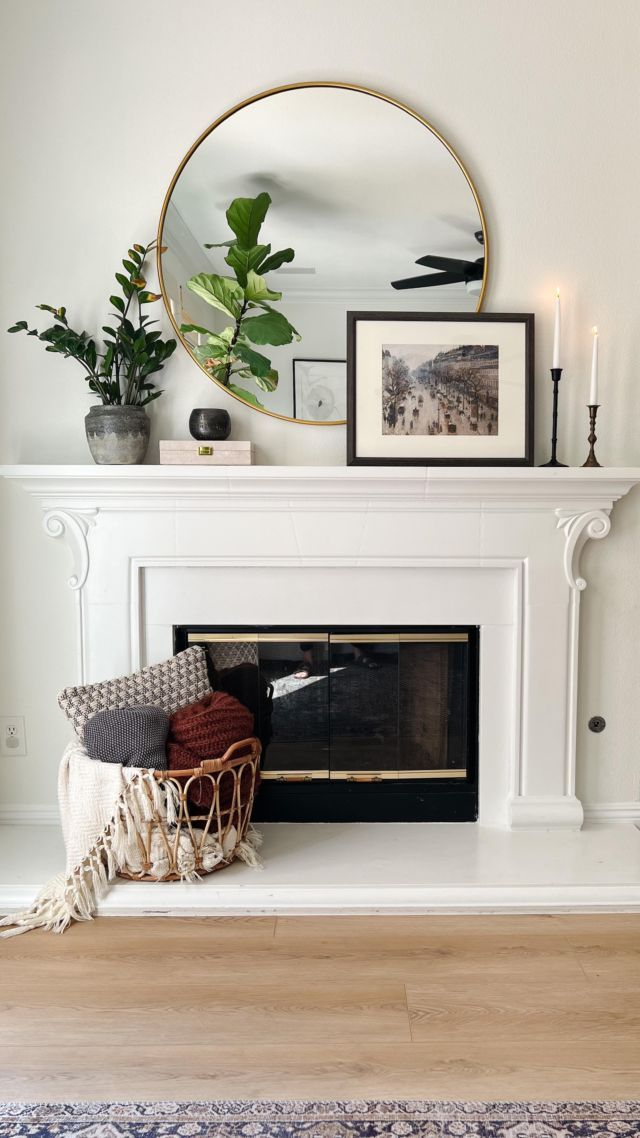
column 101, row 101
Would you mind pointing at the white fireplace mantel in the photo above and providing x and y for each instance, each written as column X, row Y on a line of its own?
column 500, row 548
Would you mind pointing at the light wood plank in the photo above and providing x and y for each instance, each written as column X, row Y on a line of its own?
column 119, row 937
column 575, row 1070
column 479, row 1006
column 176, row 1010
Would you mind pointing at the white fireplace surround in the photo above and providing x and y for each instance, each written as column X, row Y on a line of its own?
column 498, row 548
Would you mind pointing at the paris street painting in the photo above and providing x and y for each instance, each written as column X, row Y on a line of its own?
column 436, row 389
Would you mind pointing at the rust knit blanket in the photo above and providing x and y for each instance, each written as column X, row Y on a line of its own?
column 205, row 730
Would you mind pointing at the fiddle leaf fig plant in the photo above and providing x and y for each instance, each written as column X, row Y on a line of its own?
column 119, row 372
column 244, row 299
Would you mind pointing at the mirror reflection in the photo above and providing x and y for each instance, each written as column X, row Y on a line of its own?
column 297, row 207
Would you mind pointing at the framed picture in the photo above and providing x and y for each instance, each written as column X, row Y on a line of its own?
column 320, row 390
column 426, row 389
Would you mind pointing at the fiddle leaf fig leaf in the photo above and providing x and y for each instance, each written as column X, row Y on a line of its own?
column 195, row 328
column 258, row 364
column 256, row 289
column 267, row 382
column 269, row 328
column 245, row 217
column 220, row 244
column 246, row 396
column 212, row 356
column 221, row 292
column 275, row 261
column 242, row 260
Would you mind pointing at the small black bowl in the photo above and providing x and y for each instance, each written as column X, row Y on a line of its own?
column 206, row 423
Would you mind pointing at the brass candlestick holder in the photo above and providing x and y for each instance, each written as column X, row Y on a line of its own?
column 556, row 376
column 591, row 457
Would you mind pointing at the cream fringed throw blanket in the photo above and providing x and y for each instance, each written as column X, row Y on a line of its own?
column 102, row 807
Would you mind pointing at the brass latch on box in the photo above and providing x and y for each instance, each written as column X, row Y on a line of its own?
column 205, row 450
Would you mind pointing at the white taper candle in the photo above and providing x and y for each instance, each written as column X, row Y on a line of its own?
column 593, row 390
column 556, row 333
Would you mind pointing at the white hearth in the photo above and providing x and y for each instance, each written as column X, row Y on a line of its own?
column 498, row 548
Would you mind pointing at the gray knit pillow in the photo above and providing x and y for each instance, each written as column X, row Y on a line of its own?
column 174, row 683
column 133, row 736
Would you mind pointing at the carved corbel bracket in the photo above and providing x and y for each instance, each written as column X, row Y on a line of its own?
column 578, row 529
column 73, row 526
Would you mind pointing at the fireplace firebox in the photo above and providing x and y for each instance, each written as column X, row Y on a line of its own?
column 357, row 723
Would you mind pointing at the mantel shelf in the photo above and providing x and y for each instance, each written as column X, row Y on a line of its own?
column 536, row 487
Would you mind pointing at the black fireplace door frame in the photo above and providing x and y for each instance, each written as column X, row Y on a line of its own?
column 338, row 800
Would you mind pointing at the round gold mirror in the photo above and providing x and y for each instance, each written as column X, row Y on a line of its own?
column 295, row 207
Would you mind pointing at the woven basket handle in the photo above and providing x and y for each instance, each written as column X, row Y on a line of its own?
column 238, row 753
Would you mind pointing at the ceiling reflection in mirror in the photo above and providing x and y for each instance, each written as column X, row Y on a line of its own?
column 380, row 215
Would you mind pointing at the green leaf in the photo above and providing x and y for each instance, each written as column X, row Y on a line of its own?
column 256, row 289
column 194, row 328
column 21, row 326
column 267, row 382
column 206, row 352
column 275, row 260
column 221, row 244
column 221, row 292
column 242, row 260
column 107, row 362
column 258, row 364
column 245, row 217
column 117, row 302
column 247, row 396
column 270, row 328
column 130, row 267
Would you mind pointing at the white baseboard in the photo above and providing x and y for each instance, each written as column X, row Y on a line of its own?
column 25, row 814
column 613, row 812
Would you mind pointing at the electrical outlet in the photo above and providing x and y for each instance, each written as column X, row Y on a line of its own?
column 12, row 736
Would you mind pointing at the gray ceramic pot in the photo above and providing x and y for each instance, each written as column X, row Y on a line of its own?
column 117, row 436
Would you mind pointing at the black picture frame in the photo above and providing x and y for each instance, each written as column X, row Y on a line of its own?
column 527, row 319
column 312, row 360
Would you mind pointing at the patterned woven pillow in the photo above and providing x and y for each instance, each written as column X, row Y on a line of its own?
column 175, row 683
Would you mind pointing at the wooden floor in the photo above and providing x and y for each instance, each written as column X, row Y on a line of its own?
column 323, row 1007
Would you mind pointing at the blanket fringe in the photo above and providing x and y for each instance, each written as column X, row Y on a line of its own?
column 75, row 896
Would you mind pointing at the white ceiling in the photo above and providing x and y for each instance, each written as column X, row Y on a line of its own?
column 359, row 188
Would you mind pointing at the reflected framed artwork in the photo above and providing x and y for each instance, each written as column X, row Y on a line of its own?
column 440, row 389
column 319, row 390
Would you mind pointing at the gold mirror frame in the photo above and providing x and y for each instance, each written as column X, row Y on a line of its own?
column 256, row 99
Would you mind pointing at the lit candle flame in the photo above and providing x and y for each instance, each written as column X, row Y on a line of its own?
column 557, row 293
column 594, row 330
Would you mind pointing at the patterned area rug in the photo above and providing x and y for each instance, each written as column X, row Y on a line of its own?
column 321, row 1120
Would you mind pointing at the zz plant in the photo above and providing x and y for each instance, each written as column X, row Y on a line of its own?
column 247, row 302
column 119, row 372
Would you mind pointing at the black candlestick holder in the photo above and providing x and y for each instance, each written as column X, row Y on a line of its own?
column 591, row 457
column 556, row 375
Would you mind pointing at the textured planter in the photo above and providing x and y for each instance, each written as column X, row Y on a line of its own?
column 209, row 423
column 117, row 436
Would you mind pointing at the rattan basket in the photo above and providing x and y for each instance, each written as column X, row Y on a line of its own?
column 234, row 779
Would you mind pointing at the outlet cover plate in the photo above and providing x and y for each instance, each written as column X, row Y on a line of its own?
column 13, row 742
